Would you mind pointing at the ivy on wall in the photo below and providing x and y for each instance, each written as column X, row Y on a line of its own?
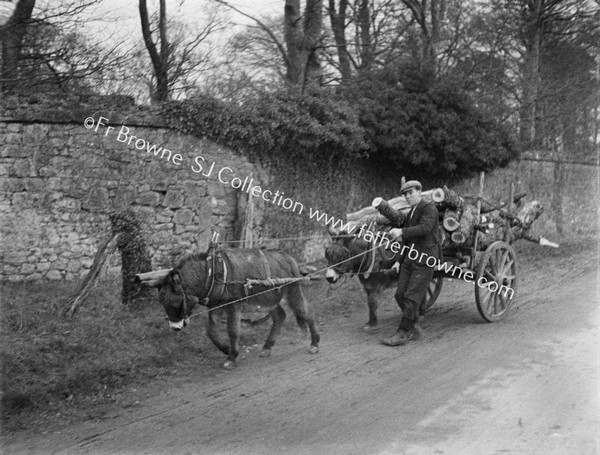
column 315, row 144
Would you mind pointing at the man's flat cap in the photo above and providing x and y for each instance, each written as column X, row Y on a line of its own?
column 410, row 184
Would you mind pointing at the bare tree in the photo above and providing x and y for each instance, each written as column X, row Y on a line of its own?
column 158, row 56
column 338, row 21
column 12, row 34
column 43, row 48
column 176, row 60
column 302, row 38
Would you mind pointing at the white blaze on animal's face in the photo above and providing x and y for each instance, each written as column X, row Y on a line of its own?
column 178, row 325
column 331, row 275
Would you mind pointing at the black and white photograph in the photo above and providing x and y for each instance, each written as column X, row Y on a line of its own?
column 304, row 227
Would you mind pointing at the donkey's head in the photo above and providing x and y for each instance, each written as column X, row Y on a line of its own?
column 339, row 254
column 177, row 303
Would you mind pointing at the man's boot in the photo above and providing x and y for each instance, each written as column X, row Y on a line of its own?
column 402, row 336
column 397, row 339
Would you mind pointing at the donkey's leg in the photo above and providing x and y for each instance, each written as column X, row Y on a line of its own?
column 214, row 334
column 234, row 316
column 373, row 296
column 304, row 314
column 278, row 315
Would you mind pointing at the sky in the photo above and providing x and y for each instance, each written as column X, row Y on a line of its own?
column 118, row 19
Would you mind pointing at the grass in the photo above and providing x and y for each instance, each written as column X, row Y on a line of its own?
column 56, row 370
column 51, row 364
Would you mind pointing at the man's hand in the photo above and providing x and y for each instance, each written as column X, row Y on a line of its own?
column 396, row 234
column 396, row 268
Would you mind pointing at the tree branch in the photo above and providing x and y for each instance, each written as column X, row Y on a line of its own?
column 262, row 26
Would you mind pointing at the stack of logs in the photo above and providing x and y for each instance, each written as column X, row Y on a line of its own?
column 458, row 216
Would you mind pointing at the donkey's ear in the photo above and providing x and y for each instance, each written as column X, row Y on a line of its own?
column 346, row 237
column 173, row 280
column 333, row 232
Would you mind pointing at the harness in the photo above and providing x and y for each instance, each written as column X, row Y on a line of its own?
column 214, row 257
column 369, row 256
column 265, row 261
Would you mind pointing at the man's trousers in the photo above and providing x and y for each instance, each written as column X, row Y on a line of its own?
column 411, row 291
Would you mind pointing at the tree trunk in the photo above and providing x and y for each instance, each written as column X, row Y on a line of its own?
column 135, row 258
column 12, row 34
column 429, row 15
column 302, row 42
column 160, row 60
column 338, row 25
column 365, row 45
column 293, row 42
column 530, row 72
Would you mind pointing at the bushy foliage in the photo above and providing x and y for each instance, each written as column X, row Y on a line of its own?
column 417, row 129
column 433, row 130
column 313, row 129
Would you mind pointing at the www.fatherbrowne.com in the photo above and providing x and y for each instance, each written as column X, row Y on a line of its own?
column 379, row 239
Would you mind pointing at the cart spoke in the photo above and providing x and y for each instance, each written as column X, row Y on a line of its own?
column 498, row 258
column 498, row 265
column 491, row 303
column 493, row 268
column 503, row 301
column 508, row 266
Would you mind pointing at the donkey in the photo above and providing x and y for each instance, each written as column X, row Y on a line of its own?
column 350, row 254
column 218, row 280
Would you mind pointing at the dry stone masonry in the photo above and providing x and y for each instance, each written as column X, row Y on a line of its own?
column 59, row 181
column 60, row 178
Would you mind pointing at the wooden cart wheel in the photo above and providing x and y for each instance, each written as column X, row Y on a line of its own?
column 433, row 292
column 497, row 271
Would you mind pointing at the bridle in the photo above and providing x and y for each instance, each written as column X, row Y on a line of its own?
column 213, row 254
column 367, row 257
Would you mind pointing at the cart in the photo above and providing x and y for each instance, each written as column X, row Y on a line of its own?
column 493, row 271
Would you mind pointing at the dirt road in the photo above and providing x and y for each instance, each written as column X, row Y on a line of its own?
column 528, row 384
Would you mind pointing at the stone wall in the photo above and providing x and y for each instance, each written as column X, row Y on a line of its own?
column 59, row 180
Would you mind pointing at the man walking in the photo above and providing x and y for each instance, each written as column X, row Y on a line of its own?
column 420, row 233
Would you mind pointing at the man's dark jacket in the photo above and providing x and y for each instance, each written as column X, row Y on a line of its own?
column 422, row 231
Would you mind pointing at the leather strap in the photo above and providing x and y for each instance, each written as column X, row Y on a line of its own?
column 266, row 263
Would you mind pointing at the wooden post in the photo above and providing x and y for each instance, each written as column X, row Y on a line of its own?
column 87, row 284
column 479, row 197
column 249, row 224
column 510, row 210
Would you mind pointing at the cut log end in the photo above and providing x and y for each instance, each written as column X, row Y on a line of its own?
column 451, row 224
column 438, row 195
column 377, row 202
column 458, row 237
